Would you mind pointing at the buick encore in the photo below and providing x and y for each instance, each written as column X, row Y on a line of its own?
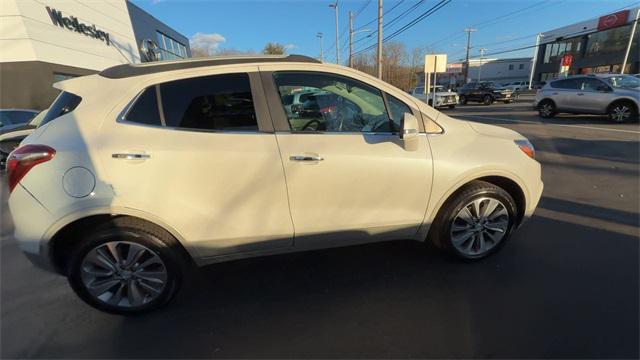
column 142, row 171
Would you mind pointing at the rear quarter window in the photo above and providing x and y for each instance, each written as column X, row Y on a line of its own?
column 65, row 103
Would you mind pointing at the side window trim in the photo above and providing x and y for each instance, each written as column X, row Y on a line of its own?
column 163, row 122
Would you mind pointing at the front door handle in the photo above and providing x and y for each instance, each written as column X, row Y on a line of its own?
column 305, row 158
column 130, row 156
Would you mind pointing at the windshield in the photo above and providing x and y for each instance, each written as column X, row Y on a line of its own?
column 624, row 81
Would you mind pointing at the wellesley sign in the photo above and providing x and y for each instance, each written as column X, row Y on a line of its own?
column 72, row 23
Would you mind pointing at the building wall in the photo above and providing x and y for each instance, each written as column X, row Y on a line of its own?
column 505, row 70
column 27, row 33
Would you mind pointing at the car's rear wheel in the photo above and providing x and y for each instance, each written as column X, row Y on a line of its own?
column 452, row 106
column 622, row 111
column 126, row 267
column 463, row 100
column 475, row 222
column 547, row 109
column 487, row 100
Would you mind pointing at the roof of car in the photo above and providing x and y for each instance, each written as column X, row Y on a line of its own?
column 129, row 70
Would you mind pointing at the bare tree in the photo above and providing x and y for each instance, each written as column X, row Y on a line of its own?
column 199, row 52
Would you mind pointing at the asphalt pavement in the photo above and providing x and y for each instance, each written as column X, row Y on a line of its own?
column 567, row 285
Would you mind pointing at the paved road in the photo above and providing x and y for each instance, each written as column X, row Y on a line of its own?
column 566, row 286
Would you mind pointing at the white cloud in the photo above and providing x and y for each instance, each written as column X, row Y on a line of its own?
column 211, row 42
column 290, row 46
column 154, row 2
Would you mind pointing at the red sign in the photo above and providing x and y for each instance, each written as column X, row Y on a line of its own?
column 567, row 60
column 613, row 20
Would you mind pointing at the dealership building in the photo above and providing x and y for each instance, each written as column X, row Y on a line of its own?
column 597, row 45
column 45, row 41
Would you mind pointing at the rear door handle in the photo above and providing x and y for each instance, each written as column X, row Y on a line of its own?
column 305, row 158
column 130, row 156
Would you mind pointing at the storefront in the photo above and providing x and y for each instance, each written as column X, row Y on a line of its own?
column 593, row 46
column 51, row 40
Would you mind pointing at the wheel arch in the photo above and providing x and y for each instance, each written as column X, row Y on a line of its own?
column 66, row 235
column 509, row 184
column 625, row 100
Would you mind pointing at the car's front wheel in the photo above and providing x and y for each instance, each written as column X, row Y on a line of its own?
column 622, row 111
column 126, row 266
column 452, row 106
column 487, row 100
column 475, row 222
column 463, row 100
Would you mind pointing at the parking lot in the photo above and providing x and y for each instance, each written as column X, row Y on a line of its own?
column 566, row 286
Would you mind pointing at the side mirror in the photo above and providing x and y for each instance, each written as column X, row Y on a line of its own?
column 409, row 132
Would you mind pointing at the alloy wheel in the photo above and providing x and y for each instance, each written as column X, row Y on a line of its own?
column 620, row 113
column 123, row 274
column 479, row 226
column 546, row 110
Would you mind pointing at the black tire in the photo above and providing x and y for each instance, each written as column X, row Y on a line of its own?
column 131, row 230
column 463, row 100
column 547, row 109
column 507, row 101
column 487, row 100
column 430, row 102
column 452, row 106
column 622, row 112
column 440, row 233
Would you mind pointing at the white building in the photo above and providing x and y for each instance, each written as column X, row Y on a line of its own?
column 496, row 70
column 44, row 41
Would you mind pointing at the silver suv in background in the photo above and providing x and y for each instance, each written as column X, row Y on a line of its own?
column 612, row 94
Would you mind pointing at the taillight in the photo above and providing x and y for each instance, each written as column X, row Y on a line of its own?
column 22, row 159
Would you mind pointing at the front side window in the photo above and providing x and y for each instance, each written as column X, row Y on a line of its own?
column 397, row 109
column 214, row 103
column 332, row 103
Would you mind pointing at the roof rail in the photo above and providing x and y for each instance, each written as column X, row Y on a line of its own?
column 129, row 70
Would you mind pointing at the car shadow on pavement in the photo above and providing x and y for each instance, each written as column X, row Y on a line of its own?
column 624, row 151
column 552, row 292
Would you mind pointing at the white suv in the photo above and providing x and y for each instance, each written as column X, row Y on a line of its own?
column 143, row 170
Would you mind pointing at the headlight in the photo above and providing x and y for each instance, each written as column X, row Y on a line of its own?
column 526, row 147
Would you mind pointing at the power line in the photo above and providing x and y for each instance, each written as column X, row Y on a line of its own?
column 386, row 13
column 412, row 23
column 392, row 21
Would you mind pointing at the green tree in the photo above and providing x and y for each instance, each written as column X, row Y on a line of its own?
column 273, row 49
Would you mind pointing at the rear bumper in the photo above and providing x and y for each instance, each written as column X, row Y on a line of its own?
column 31, row 221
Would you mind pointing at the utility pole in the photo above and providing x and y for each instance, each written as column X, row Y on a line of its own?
column 482, row 50
column 379, row 54
column 466, row 69
column 535, row 60
column 320, row 35
column 350, row 39
column 335, row 6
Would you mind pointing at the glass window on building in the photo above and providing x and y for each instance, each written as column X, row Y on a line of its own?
column 554, row 51
column 520, row 66
column 510, row 66
column 170, row 49
column 608, row 41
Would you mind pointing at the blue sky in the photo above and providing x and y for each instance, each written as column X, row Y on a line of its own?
column 249, row 25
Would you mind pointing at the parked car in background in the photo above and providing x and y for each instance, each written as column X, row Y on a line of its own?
column 517, row 86
column 444, row 97
column 15, row 117
column 484, row 92
column 611, row 94
column 11, row 136
column 141, row 171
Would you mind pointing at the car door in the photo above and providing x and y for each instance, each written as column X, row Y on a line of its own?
column 564, row 93
column 200, row 154
column 349, row 177
column 594, row 96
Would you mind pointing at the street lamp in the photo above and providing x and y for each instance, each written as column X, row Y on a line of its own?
column 320, row 35
column 335, row 6
column 351, row 34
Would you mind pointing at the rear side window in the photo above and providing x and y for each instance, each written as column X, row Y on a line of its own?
column 565, row 84
column 218, row 102
column 215, row 103
column 65, row 103
column 145, row 110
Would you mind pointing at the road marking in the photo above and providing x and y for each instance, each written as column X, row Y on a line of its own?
column 543, row 123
